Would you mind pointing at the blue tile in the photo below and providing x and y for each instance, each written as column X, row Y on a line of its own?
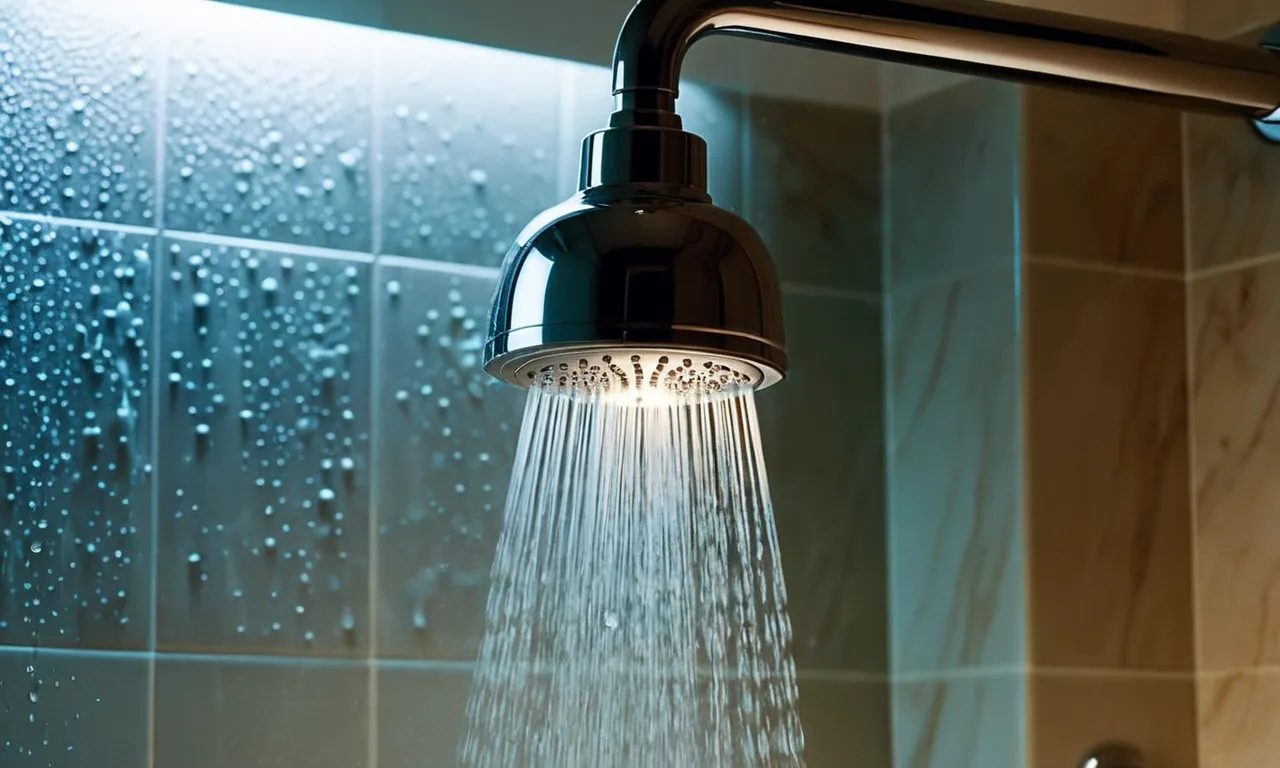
column 78, row 110
column 264, row 490
column 269, row 128
column 75, row 443
column 216, row 713
column 73, row 710
column 955, row 489
column 469, row 147
column 422, row 716
column 967, row 722
column 448, row 435
column 953, row 185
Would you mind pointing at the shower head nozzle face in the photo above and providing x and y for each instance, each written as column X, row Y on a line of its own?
column 627, row 289
column 641, row 370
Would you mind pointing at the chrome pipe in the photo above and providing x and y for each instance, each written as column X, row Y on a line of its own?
column 967, row 36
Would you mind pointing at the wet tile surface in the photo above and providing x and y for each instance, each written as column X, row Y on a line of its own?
column 953, row 182
column 422, row 716
column 269, row 137
column 78, row 110
column 264, row 527
column 261, row 714
column 967, row 722
column 448, row 439
column 955, row 490
column 73, row 710
column 75, row 443
column 814, row 191
column 470, row 138
column 823, row 438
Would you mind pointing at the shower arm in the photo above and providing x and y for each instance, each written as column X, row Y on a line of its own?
column 970, row 37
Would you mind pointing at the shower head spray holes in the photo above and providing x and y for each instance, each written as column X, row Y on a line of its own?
column 647, row 376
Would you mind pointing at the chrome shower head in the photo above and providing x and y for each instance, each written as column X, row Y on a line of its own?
column 638, row 281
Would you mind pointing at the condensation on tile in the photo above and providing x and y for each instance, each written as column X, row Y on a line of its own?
column 77, row 106
column 470, row 147
column 74, row 437
column 269, row 128
column 72, row 710
column 263, row 490
column 448, row 430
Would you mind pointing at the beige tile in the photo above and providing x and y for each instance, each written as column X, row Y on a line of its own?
column 952, row 184
column 824, row 444
column 1235, row 323
column 966, row 722
column 1228, row 18
column 1108, row 518
column 845, row 723
column 956, row 539
column 813, row 190
column 1162, row 14
column 1233, row 183
column 1073, row 714
column 1238, row 716
column 1102, row 180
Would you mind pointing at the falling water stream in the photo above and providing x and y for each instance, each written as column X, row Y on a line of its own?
column 637, row 615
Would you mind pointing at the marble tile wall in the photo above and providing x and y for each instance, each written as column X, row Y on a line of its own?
column 957, row 587
column 1233, row 183
column 261, row 304
column 1037, row 331
column 1109, row 550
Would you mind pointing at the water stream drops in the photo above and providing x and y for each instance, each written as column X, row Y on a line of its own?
column 637, row 615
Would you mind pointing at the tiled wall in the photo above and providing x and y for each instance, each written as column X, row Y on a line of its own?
column 1109, row 544
column 1040, row 551
column 252, row 471
column 1233, row 312
column 956, row 559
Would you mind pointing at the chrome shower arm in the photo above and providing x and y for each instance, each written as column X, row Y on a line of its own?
column 967, row 36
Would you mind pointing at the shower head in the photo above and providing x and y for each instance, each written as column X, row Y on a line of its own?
column 638, row 281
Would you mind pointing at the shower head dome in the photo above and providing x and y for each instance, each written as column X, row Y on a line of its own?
column 632, row 287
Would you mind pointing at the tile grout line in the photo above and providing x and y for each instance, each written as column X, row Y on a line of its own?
column 375, row 387
column 274, row 246
column 1110, row 269
column 887, row 419
column 1188, row 349
column 157, row 363
column 59, row 221
column 917, row 287
column 824, row 292
column 1234, row 266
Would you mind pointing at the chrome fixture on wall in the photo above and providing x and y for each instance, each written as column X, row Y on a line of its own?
column 1114, row 755
column 641, row 268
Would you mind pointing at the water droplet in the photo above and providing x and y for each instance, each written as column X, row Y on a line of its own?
column 200, row 300
column 36, row 546
column 610, row 620
column 479, row 177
